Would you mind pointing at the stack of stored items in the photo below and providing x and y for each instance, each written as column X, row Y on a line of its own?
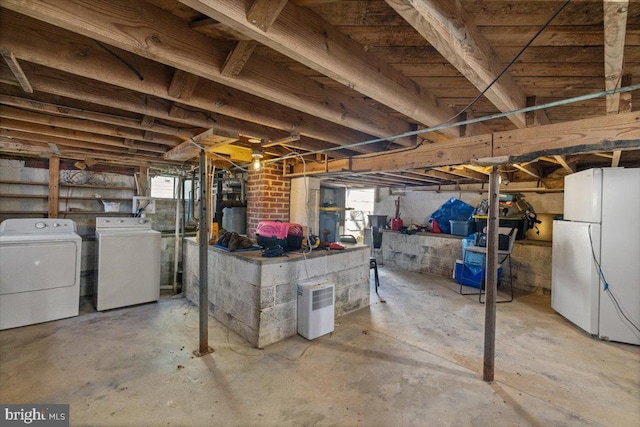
column 276, row 233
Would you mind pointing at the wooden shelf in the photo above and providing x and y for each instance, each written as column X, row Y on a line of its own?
column 3, row 181
column 44, row 183
column 23, row 212
column 106, row 199
column 335, row 209
column 106, row 187
column 24, row 196
column 94, row 213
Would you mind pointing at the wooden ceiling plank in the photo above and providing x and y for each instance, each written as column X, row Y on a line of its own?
column 305, row 37
column 260, row 117
column 16, row 69
column 446, row 26
column 615, row 27
column 263, row 13
column 237, row 58
column 182, row 85
column 166, row 38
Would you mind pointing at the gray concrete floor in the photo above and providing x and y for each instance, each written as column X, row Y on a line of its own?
column 414, row 361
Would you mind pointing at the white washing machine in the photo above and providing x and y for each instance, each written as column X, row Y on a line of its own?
column 39, row 271
column 128, row 262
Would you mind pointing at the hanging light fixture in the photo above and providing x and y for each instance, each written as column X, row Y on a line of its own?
column 257, row 156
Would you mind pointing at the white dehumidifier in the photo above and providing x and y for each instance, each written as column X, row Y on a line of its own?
column 315, row 309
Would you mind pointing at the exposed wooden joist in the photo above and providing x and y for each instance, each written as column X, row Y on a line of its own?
column 147, row 123
column 464, row 173
column 615, row 160
column 27, row 39
column 306, row 38
column 182, row 85
column 408, row 178
column 85, row 125
column 615, row 27
column 446, row 26
column 16, row 69
column 537, row 117
column 624, row 106
column 521, row 145
column 563, row 161
column 166, row 38
column 48, row 132
column 580, row 136
column 237, row 58
column 188, row 150
column 528, row 170
column 263, row 13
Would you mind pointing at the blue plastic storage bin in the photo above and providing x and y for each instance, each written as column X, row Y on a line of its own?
column 472, row 275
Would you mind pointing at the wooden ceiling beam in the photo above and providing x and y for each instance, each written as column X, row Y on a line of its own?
column 147, row 123
column 16, row 69
column 188, row 149
column 446, row 26
column 406, row 178
column 166, row 38
column 464, row 173
column 566, row 166
column 52, row 131
column 44, row 44
column 182, row 85
column 237, row 58
column 85, row 125
column 528, row 170
column 263, row 13
column 303, row 36
column 615, row 27
column 580, row 136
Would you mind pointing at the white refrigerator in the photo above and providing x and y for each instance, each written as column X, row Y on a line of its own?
column 595, row 280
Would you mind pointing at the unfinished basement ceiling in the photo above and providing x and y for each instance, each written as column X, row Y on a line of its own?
column 129, row 83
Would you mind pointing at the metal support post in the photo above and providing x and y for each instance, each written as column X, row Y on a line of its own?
column 203, row 258
column 491, row 276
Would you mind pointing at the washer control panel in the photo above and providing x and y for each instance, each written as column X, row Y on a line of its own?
column 37, row 225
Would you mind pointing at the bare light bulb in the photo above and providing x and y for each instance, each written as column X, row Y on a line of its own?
column 257, row 165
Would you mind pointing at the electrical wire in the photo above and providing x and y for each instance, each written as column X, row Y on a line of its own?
column 119, row 58
column 607, row 288
column 443, row 124
column 515, row 58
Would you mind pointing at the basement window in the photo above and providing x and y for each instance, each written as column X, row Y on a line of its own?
column 163, row 187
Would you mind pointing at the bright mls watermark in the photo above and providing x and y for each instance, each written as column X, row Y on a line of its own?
column 40, row 415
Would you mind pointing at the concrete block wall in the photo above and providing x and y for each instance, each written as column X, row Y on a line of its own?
column 258, row 300
column 267, row 196
column 437, row 254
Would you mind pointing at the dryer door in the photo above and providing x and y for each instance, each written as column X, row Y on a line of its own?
column 34, row 266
